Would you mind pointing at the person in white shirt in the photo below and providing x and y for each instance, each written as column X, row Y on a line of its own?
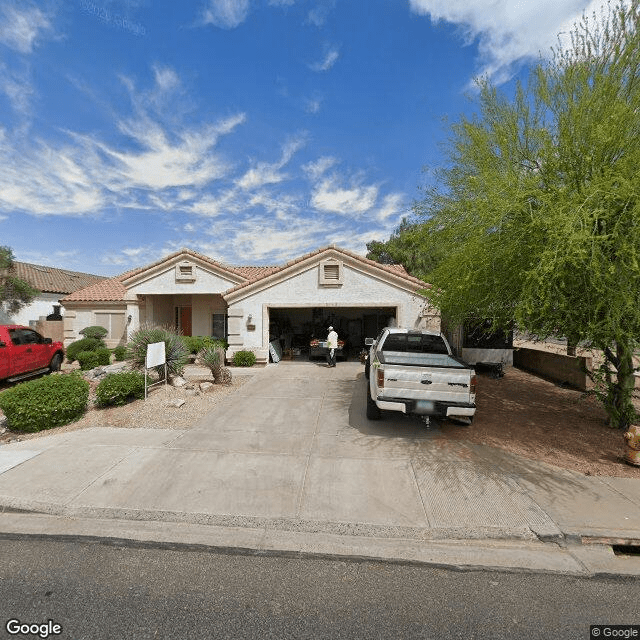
column 332, row 345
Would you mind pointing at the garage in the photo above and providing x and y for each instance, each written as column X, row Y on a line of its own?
column 293, row 330
column 280, row 312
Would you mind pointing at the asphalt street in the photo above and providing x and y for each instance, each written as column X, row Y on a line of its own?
column 97, row 591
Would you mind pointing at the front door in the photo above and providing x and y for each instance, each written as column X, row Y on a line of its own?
column 185, row 320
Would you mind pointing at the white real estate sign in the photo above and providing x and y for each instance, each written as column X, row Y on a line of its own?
column 155, row 355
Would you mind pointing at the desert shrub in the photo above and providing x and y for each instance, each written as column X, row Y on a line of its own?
column 195, row 344
column 86, row 344
column 94, row 332
column 244, row 358
column 88, row 360
column 120, row 388
column 175, row 350
column 213, row 358
column 45, row 403
column 120, row 353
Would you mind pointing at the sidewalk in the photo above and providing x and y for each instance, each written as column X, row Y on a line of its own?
column 289, row 464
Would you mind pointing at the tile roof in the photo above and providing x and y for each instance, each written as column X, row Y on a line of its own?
column 183, row 251
column 110, row 290
column 53, row 280
column 114, row 289
column 394, row 269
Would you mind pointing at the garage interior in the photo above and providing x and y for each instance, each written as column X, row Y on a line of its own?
column 295, row 327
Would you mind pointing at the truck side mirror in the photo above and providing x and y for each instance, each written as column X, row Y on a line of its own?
column 2, row 344
column 369, row 341
column 48, row 340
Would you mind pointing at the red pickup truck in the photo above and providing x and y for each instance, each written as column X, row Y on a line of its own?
column 24, row 352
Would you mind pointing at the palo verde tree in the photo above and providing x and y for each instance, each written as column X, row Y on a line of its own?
column 537, row 215
column 14, row 292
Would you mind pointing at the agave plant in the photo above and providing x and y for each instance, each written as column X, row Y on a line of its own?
column 175, row 351
column 213, row 358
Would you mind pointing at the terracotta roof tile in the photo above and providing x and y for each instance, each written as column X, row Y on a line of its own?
column 52, row 279
column 114, row 290
column 111, row 290
column 394, row 269
column 195, row 254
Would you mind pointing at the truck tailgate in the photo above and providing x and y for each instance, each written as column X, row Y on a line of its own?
column 426, row 383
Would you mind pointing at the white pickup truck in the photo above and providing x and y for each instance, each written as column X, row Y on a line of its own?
column 415, row 372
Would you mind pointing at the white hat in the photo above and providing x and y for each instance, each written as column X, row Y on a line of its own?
column 330, row 328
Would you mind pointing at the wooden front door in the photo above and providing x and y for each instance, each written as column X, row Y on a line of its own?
column 185, row 321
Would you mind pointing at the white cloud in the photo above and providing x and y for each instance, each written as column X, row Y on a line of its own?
column 257, row 240
column 393, row 208
column 166, row 78
column 508, row 31
column 313, row 105
column 18, row 89
column 21, row 25
column 330, row 197
column 227, row 14
column 317, row 169
column 269, row 173
column 86, row 175
column 319, row 14
column 331, row 56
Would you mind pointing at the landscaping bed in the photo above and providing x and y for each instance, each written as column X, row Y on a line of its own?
column 540, row 420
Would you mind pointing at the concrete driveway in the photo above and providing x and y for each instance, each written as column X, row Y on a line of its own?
column 292, row 452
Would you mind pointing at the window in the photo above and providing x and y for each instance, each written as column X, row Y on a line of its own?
column 331, row 273
column 185, row 272
column 25, row 336
column 414, row 343
column 219, row 326
column 113, row 323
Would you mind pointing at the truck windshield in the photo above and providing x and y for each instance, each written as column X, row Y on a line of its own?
column 414, row 343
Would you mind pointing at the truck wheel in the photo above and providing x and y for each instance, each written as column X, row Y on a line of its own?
column 373, row 412
column 56, row 363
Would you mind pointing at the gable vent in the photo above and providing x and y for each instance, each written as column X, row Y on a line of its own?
column 331, row 273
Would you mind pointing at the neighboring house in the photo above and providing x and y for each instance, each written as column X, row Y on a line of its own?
column 53, row 284
column 251, row 306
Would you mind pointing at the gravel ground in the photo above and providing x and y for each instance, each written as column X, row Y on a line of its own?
column 153, row 413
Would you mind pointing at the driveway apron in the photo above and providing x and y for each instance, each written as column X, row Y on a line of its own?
column 290, row 449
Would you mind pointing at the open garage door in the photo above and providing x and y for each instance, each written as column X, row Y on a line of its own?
column 297, row 327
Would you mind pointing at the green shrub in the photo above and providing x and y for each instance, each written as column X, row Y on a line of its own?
column 195, row 344
column 45, row 403
column 120, row 353
column 120, row 388
column 104, row 357
column 88, row 360
column 94, row 332
column 244, row 358
column 86, row 344
column 175, row 350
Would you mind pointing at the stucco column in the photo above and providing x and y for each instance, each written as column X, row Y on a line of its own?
column 133, row 312
column 235, row 329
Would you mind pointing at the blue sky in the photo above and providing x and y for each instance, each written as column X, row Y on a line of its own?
column 252, row 131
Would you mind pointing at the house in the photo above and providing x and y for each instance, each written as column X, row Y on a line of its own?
column 53, row 284
column 253, row 306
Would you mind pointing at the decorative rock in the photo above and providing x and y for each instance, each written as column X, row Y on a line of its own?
column 117, row 367
column 205, row 386
column 177, row 403
column 178, row 381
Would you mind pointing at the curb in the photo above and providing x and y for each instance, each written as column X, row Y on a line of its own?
column 591, row 561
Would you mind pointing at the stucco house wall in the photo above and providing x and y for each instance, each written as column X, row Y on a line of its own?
column 359, row 289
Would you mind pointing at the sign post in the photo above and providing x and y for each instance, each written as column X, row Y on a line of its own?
column 156, row 357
